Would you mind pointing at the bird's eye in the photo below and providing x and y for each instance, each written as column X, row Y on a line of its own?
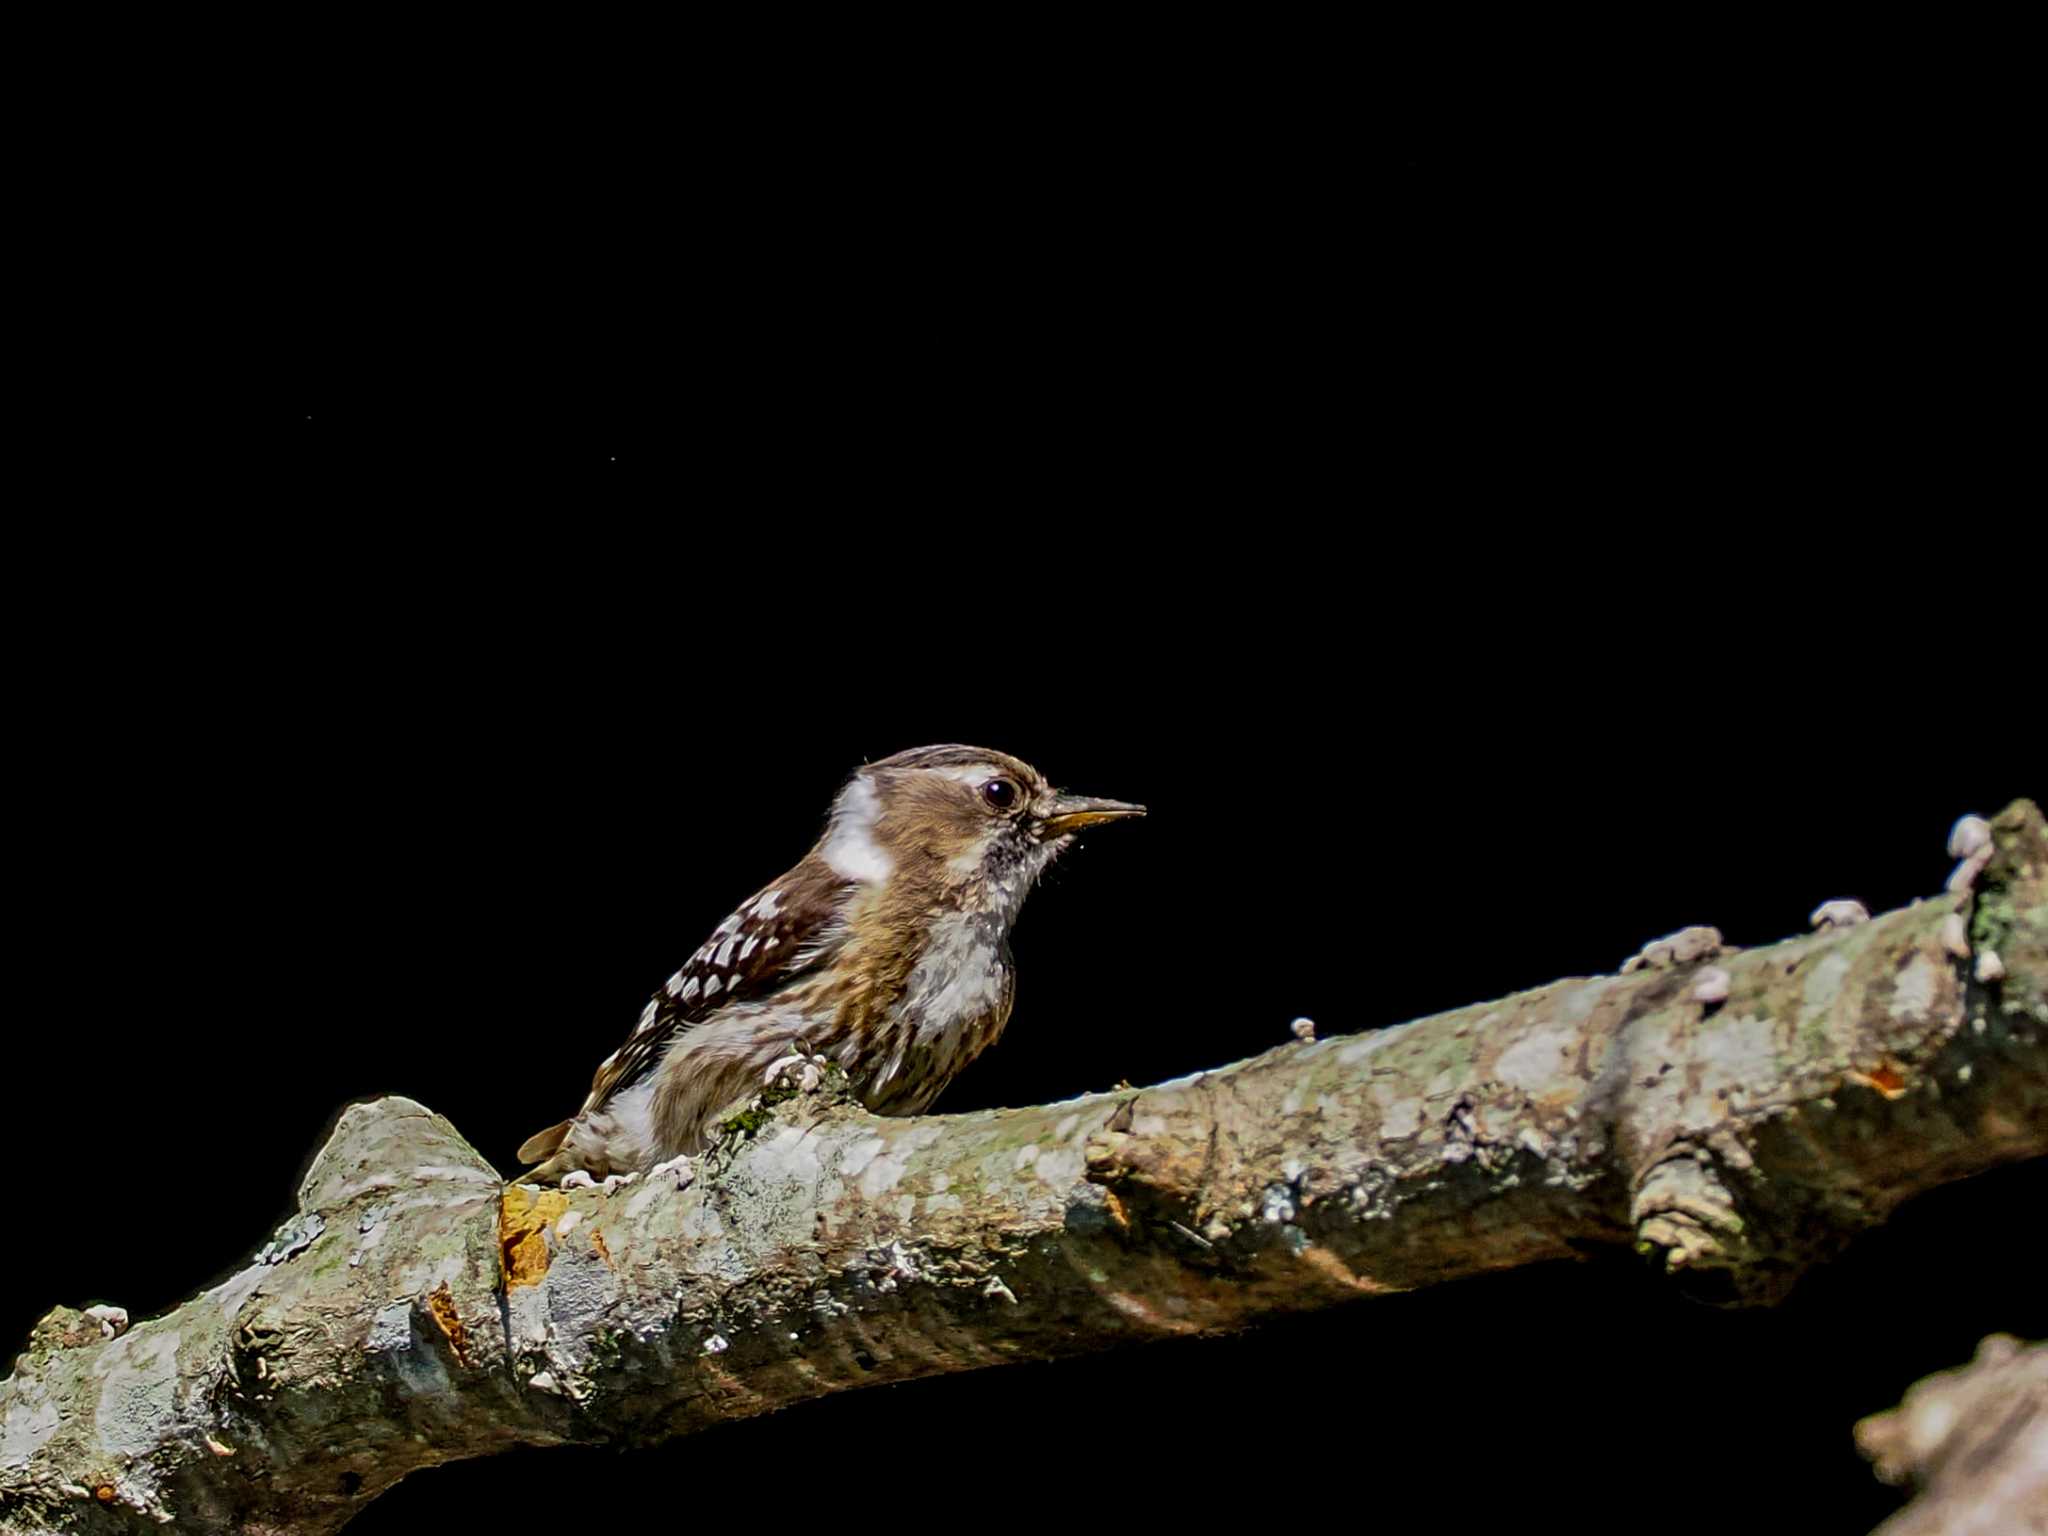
column 1000, row 793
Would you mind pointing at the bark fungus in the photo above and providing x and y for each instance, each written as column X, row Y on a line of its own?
column 1735, row 1122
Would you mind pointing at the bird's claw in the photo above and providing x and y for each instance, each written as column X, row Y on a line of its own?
column 580, row 1179
column 679, row 1168
column 798, row 1071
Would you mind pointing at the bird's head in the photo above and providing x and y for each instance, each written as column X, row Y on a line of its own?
column 976, row 824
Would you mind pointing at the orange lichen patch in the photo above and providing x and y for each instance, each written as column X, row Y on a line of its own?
column 597, row 1242
column 1887, row 1078
column 523, row 1222
column 1117, row 1213
column 441, row 1306
column 105, row 1494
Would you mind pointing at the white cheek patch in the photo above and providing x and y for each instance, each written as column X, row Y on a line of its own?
column 969, row 859
column 850, row 849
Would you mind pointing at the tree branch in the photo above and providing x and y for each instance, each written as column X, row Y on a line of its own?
column 1734, row 1128
column 1974, row 1440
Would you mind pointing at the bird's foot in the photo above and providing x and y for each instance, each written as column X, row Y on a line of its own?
column 581, row 1179
column 678, row 1168
column 796, row 1070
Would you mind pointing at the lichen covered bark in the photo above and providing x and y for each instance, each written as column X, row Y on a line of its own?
column 415, row 1312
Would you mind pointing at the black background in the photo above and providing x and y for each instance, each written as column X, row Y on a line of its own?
column 1484, row 551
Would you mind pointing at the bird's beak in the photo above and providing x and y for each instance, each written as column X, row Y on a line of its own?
column 1070, row 813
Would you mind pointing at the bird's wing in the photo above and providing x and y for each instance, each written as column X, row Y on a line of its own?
column 783, row 931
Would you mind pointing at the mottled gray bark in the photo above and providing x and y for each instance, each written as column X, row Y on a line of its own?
column 1974, row 1442
column 1735, row 1117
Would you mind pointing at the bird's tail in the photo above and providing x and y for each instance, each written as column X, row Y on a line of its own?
column 544, row 1144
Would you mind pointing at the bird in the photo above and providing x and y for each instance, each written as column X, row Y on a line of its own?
column 884, row 951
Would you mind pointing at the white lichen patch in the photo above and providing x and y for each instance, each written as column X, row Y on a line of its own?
column 1060, row 1165
column 580, row 1288
column 881, row 1175
column 942, row 1205
column 293, row 1238
column 662, row 1184
column 1914, row 992
column 1357, row 1050
column 700, row 1224
column 426, row 1274
column 1577, row 1005
column 1706, row 1067
column 1536, row 1060
column 236, row 1289
column 790, row 1155
column 568, row 1223
column 138, row 1406
column 1823, row 987
column 29, row 1422
column 1400, row 1116
column 362, row 1250
column 1066, row 1127
column 1026, row 1156
column 390, row 1329
column 855, row 1159
column 526, row 1316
